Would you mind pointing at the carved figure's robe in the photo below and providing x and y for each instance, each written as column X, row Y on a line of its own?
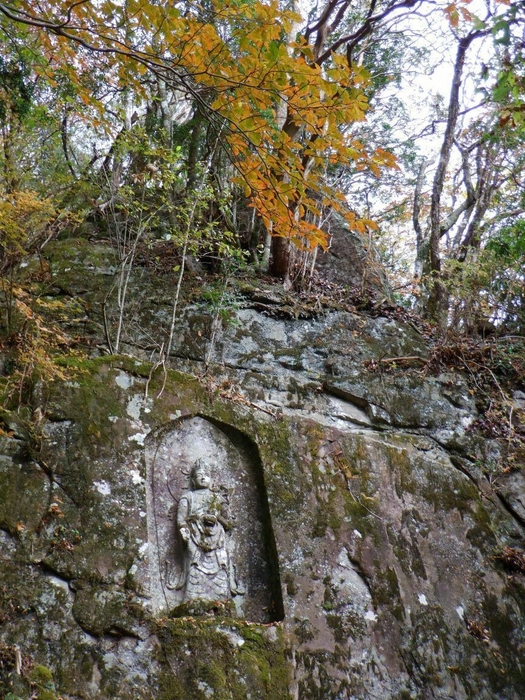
column 206, row 557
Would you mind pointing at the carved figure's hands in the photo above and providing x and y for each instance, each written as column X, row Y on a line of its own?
column 185, row 534
column 225, row 522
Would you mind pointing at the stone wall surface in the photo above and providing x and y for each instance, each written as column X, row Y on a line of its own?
column 365, row 534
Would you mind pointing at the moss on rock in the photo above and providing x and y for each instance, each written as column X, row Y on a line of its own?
column 221, row 658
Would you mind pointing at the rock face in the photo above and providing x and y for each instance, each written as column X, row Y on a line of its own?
column 364, row 537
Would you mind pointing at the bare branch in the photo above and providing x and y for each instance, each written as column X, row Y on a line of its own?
column 470, row 199
column 351, row 40
column 417, row 201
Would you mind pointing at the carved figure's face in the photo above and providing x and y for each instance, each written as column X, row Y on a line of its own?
column 201, row 478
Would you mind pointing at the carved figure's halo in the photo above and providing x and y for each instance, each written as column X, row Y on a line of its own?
column 187, row 471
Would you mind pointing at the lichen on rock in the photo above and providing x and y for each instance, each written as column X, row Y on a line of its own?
column 374, row 517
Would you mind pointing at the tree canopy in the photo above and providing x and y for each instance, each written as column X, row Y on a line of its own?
column 274, row 116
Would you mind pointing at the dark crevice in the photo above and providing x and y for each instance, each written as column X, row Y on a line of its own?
column 248, row 448
column 354, row 399
column 12, row 535
column 120, row 632
column 456, row 403
column 53, row 481
column 450, row 451
column 355, row 422
column 509, row 509
column 50, row 570
column 368, row 406
column 456, row 462
column 402, row 656
column 356, row 565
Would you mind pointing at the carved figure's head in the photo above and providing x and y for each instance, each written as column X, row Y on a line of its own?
column 201, row 475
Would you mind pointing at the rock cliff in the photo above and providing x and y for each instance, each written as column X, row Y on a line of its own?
column 375, row 540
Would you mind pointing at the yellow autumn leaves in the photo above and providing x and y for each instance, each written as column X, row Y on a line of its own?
column 284, row 117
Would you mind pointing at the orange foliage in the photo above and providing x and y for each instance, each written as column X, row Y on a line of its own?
column 284, row 113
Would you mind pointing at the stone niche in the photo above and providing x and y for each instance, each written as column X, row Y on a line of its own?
column 248, row 541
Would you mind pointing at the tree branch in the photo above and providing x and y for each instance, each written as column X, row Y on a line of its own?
column 351, row 40
column 417, row 201
column 470, row 200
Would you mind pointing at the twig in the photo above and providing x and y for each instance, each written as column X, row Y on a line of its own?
column 360, row 503
column 407, row 358
column 106, row 328
column 18, row 660
column 156, row 365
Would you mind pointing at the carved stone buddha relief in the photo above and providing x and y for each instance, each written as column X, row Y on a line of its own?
column 209, row 529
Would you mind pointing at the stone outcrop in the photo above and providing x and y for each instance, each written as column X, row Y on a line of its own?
column 369, row 525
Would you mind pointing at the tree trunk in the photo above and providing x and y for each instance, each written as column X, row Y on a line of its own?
column 422, row 241
column 436, row 308
column 10, row 174
column 282, row 259
column 193, row 150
